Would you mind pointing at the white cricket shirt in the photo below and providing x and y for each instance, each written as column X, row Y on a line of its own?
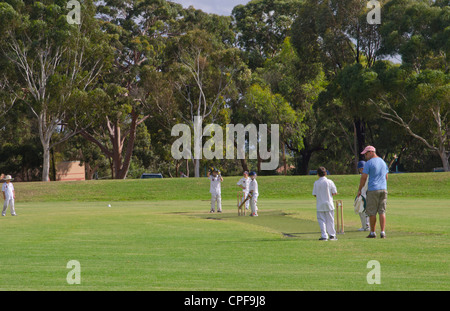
column 215, row 185
column 253, row 186
column 8, row 190
column 244, row 182
column 323, row 190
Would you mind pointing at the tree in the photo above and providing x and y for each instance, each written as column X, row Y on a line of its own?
column 140, row 29
column 204, row 75
column 300, row 85
column 262, row 26
column 52, row 59
column 261, row 106
column 419, row 103
column 415, row 95
column 330, row 35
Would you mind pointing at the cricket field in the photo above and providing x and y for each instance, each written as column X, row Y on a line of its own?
column 158, row 234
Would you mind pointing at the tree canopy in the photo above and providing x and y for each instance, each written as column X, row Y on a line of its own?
column 108, row 91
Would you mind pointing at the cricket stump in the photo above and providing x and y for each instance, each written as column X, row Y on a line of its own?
column 241, row 207
column 339, row 216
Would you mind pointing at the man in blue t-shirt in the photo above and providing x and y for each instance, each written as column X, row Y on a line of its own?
column 377, row 171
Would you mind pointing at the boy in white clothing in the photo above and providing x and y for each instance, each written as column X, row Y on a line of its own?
column 324, row 190
column 9, row 195
column 253, row 190
column 215, row 189
column 360, row 202
column 244, row 183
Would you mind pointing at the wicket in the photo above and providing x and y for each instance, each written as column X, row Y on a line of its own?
column 339, row 216
column 241, row 207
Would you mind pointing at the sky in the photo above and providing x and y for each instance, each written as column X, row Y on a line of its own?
column 220, row 7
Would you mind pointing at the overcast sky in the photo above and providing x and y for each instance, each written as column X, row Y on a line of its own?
column 221, row 7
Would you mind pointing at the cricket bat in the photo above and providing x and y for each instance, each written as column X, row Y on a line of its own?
column 249, row 196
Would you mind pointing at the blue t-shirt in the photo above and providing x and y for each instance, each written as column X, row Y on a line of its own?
column 377, row 169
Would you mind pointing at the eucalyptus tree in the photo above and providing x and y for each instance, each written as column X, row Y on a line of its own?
column 329, row 36
column 262, row 26
column 53, row 60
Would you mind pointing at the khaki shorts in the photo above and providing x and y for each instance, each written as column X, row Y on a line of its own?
column 376, row 202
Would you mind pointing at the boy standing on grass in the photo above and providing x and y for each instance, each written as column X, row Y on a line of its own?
column 9, row 195
column 215, row 189
column 324, row 190
column 360, row 202
column 244, row 183
column 253, row 190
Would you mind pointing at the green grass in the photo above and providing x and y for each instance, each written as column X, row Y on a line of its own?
column 163, row 238
column 416, row 185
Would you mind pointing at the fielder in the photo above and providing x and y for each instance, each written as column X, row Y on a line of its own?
column 324, row 190
column 9, row 195
column 253, row 190
column 360, row 202
column 244, row 183
column 215, row 189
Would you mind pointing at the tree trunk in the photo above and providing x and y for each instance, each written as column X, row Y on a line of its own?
column 444, row 159
column 119, row 164
column 258, row 166
column 46, row 163
column 177, row 168
column 360, row 135
column 197, row 167
column 90, row 171
column 244, row 165
column 303, row 162
column 125, row 164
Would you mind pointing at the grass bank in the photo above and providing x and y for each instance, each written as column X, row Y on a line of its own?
column 413, row 185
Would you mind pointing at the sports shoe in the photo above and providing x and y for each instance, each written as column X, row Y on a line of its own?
column 382, row 235
column 371, row 236
column 323, row 239
column 333, row 238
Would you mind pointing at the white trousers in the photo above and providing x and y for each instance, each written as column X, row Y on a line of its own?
column 253, row 202
column 326, row 223
column 244, row 196
column 364, row 220
column 216, row 198
column 10, row 203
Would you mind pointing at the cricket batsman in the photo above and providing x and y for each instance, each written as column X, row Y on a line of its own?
column 244, row 183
